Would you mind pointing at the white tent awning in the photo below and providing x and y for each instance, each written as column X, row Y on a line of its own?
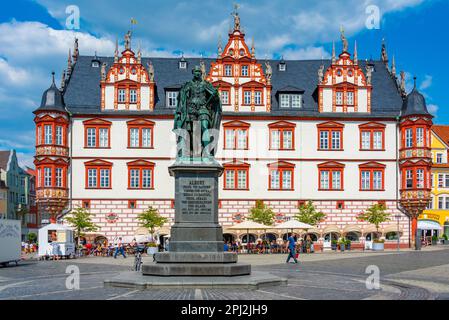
column 429, row 225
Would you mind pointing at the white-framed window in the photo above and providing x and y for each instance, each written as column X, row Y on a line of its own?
column 420, row 178
column 146, row 178
column 47, row 177
column 336, row 180
column 408, row 138
column 225, row 97
column 282, row 67
column 48, row 134
column 420, row 137
column 182, row 65
column 247, row 97
column 287, row 139
column 285, row 100
column 377, row 180
column 241, row 179
column 104, row 137
column 92, row 178
column 58, row 176
column 336, row 140
column 258, row 97
column 339, row 98
column 134, row 178
column 241, row 139
column 134, row 137
column 430, row 204
column 104, row 178
column 228, row 70
column 377, row 140
column 275, row 139
column 133, row 96
column 366, row 180
column 439, row 158
column 91, row 137
column 59, row 141
column 366, row 140
column 324, row 179
column 440, row 180
column 350, row 98
column 121, row 95
column 296, row 100
column 287, row 179
column 275, row 179
column 290, row 100
column 230, row 179
column 172, row 99
column 245, row 72
column 443, row 202
column 39, row 135
column 409, row 179
column 146, row 137
column 324, row 139
column 230, row 138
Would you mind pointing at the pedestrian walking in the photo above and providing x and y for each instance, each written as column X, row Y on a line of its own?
column 119, row 248
column 291, row 248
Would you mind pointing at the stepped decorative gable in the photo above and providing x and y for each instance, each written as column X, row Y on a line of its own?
column 127, row 85
column 240, row 78
column 344, row 86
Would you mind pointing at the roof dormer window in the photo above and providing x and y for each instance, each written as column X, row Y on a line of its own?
column 182, row 63
column 282, row 66
column 95, row 64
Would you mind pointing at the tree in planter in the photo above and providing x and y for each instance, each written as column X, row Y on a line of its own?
column 151, row 219
column 32, row 237
column 308, row 214
column 261, row 213
column 375, row 215
column 80, row 219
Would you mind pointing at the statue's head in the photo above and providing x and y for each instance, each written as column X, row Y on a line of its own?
column 197, row 73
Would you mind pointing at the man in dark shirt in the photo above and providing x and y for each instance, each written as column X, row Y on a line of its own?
column 291, row 248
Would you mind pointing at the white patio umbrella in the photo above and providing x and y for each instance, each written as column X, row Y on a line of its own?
column 293, row 224
column 249, row 225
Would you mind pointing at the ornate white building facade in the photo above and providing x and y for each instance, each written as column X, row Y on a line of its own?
column 328, row 131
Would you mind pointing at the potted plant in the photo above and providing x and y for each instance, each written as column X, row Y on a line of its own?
column 434, row 240
column 445, row 238
column 151, row 248
column 348, row 244
column 378, row 244
column 334, row 245
column 342, row 244
column 376, row 215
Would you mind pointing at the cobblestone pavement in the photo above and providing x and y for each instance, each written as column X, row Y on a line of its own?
column 403, row 275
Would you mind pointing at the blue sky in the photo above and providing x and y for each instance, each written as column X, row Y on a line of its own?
column 34, row 41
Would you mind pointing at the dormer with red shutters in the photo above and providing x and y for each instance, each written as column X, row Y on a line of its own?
column 127, row 85
column 241, row 80
column 344, row 86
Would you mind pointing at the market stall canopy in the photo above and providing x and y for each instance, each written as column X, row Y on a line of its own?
column 429, row 225
column 249, row 225
column 293, row 224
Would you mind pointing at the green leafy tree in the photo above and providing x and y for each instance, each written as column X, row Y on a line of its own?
column 375, row 214
column 151, row 219
column 261, row 213
column 80, row 219
column 308, row 214
column 32, row 237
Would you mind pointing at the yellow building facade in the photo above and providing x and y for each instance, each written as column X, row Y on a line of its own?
column 435, row 220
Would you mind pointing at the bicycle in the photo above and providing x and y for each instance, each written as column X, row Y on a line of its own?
column 138, row 258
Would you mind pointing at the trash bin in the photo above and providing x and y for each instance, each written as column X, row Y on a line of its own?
column 418, row 239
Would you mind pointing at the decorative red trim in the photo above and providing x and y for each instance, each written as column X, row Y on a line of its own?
column 330, row 127
column 372, row 167
column 236, row 126
column 331, row 167
column 141, row 124
column 281, row 167
column 140, row 166
column 97, row 124
column 98, row 165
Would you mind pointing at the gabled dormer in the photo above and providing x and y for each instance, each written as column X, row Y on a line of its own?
column 344, row 87
column 243, row 83
column 127, row 84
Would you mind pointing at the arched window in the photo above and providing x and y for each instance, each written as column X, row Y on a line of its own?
column 353, row 236
column 392, row 236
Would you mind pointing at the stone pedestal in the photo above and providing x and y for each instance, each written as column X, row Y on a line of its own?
column 196, row 242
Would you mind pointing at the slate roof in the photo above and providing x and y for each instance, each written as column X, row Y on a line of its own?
column 414, row 104
column 52, row 100
column 82, row 94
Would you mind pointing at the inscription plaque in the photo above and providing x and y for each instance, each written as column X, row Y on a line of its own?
column 196, row 197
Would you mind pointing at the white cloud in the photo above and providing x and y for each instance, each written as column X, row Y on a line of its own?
column 308, row 53
column 12, row 75
column 426, row 83
column 432, row 108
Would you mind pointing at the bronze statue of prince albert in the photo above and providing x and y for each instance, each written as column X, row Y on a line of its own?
column 197, row 119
